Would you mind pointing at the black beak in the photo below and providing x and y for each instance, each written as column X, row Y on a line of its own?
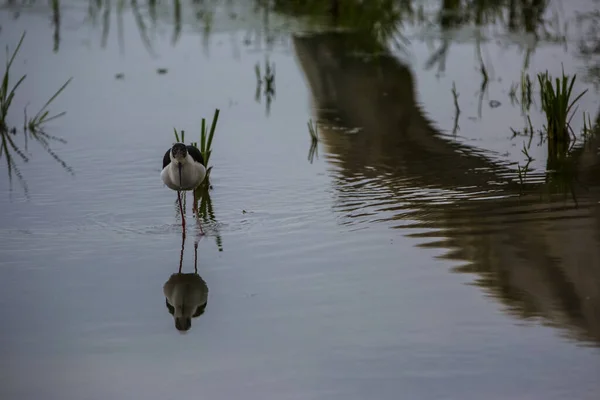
column 179, row 166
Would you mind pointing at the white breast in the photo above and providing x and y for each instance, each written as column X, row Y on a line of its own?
column 192, row 175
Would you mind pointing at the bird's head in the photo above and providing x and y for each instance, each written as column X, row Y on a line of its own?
column 183, row 324
column 178, row 157
column 179, row 153
column 183, row 314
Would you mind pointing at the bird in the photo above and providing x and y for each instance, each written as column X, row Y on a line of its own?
column 183, row 170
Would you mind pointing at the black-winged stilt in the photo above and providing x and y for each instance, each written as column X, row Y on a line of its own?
column 183, row 170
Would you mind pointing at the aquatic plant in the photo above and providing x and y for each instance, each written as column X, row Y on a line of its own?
column 207, row 138
column 32, row 127
column 6, row 94
column 557, row 104
column 35, row 124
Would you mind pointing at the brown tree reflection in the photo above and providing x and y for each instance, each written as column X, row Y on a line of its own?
column 531, row 247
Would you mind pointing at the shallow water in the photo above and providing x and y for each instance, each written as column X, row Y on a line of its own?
column 402, row 262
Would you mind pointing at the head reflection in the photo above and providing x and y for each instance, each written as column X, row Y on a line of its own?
column 186, row 294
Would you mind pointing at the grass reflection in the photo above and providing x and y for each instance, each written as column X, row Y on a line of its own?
column 313, row 131
column 56, row 23
column 268, row 80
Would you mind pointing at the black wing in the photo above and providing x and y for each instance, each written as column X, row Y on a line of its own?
column 170, row 307
column 199, row 311
column 195, row 153
column 167, row 158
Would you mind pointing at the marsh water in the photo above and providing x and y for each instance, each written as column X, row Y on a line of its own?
column 407, row 258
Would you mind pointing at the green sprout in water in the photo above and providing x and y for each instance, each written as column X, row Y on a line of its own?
column 557, row 105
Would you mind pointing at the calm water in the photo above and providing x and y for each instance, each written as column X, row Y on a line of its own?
column 403, row 262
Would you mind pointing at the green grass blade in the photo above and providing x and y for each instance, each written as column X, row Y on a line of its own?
column 14, row 89
column 58, row 92
column 577, row 99
column 212, row 128
column 55, row 116
column 203, row 136
column 9, row 63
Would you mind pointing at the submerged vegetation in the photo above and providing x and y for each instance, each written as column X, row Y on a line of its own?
column 33, row 128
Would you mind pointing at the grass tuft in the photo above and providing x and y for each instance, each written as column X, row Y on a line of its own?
column 207, row 138
column 35, row 124
column 32, row 127
column 557, row 105
column 6, row 95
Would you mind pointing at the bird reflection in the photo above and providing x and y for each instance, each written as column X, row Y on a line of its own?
column 186, row 294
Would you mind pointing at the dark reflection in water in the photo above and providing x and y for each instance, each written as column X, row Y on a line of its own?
column 589, row 45
column 186, row 294
column 15, row 149
column 533, row 247
column 206, row 217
